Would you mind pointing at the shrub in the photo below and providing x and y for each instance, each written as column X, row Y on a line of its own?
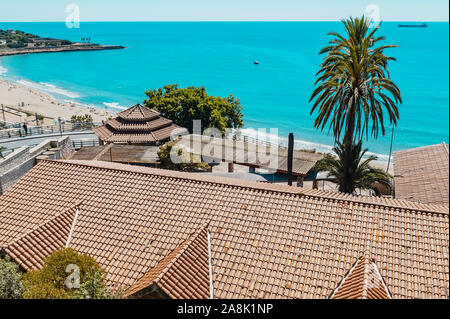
column 55, row 281
column 189, row 162
column 85, row 119
column 10, row 279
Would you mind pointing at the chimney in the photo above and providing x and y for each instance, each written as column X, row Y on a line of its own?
column 290, row 156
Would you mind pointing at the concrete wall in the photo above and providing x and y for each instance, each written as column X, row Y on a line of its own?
column 19, row 162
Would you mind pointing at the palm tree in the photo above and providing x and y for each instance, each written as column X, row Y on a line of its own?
column 354, row 89
column 361, row 174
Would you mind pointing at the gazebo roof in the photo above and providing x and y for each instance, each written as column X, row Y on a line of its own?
column 138, row 113
column 137, row 124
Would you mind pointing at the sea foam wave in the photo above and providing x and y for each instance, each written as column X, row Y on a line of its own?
column 114, row 105
column 3, row 70
column 49, row 88
column 298, row 144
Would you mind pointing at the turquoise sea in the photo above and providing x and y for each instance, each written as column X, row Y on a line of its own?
column 220, row 55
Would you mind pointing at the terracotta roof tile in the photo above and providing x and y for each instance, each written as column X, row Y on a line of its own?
column 33, row 247
column 183, row 273
column 267, row 241
column 422, row 174
column 137, row 124
column 362, row 282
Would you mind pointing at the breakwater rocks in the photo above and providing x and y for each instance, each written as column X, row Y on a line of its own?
column 63, row 48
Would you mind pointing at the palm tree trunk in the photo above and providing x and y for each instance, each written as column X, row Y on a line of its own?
column 346, row 183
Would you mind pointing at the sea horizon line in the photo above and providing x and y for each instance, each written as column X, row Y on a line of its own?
column 196, row 21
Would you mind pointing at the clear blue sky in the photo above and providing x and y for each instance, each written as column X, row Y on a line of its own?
column 201, row 10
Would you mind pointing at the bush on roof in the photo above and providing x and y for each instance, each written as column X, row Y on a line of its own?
column 10, row 279
column 187, row 161
column 66, row 275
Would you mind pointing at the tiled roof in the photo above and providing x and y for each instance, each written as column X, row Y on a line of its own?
column 30, row 249
column 267, row 241
column 138, row 113
column 362, row 282
column 137, row 124
column 182, row 274
column 422, row 174
column 121, row 153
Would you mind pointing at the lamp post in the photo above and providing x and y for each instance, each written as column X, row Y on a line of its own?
column 60, row 127
column 4, row 117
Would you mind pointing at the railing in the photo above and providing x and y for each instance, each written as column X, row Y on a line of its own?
column 47, row 129
column 77, row 144
column 10, row 150
column 250, row 139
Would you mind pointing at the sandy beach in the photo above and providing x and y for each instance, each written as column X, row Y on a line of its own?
column 22, row 102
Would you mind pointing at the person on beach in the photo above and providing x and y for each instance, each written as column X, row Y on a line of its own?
column 25, row 128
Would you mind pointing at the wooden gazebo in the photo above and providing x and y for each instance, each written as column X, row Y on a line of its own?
column 137, row 125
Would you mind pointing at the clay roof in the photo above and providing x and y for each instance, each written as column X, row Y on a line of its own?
column 139, row 113
column 184, row 273
column 30, row 249
column 422, row 174
column 362, row 282
column 121, row 153
column 137, row 124
column 267, row 241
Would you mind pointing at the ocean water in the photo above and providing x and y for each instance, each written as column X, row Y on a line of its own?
column 220, row 55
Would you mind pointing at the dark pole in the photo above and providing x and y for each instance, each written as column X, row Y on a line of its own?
column 4, row 118
column 390, row 149
column 60, row 126
column 290, row 156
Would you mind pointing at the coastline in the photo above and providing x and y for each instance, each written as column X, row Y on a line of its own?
column 37, row 101
column 67, row 48
column 12, row 95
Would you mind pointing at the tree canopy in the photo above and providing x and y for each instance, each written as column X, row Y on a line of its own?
column 183, row 105
column 66, row 275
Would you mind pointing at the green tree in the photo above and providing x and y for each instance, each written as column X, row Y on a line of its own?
column 361, row 174
column 187, row 161
column 183, row 105
column 354, row 90
column 84, row 120
column 10, row 279
column 49, row 282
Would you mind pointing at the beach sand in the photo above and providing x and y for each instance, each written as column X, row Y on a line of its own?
column 12, row 96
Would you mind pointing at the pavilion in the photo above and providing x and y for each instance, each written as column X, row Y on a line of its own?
column 137, row 125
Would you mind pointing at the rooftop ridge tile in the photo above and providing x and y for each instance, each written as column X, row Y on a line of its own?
column 363, row 200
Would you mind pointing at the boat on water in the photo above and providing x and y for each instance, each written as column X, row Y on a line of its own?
column 422, row 25
column 256, row 62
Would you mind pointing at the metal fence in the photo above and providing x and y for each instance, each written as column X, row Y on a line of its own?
column 46, row 129
column 77, row 144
